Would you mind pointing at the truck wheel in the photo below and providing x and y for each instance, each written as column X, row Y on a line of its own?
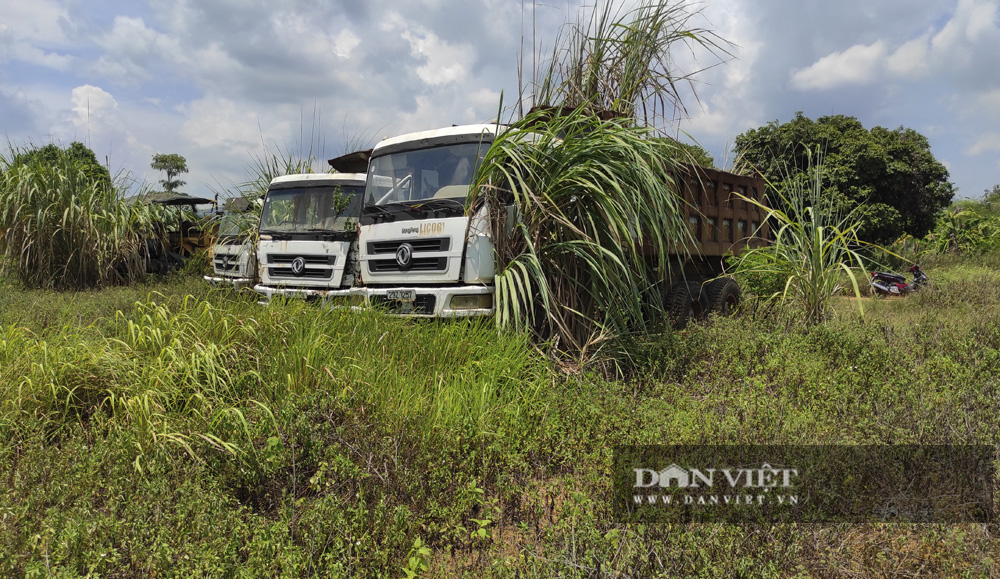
column 723, row 295
column 685, row 302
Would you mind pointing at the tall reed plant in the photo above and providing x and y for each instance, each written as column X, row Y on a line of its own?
column 815, row 246
column 595, row 213
column 65, row 229
column 621, row 60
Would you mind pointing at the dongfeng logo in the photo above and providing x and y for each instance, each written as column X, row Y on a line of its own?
column 298, row 266
column 404, row 255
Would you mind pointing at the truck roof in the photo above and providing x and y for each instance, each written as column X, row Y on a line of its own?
column 437, row 137
column 313, row 179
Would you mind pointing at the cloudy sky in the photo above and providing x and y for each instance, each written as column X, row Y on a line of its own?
column 225, row 82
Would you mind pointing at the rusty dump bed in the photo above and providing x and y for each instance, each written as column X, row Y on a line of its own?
column 720, row 221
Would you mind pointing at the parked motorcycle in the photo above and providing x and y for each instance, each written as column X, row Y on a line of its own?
column 891, row 284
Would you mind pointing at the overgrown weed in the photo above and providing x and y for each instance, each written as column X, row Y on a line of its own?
column 296, row 440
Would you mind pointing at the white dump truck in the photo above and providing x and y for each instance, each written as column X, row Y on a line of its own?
column 424, row 253
column 308, row 234
column 234, row 251
column 420, row 253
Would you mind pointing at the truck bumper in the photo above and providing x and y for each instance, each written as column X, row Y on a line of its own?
column 346, row 297
column 435, row 302
column 237, row 282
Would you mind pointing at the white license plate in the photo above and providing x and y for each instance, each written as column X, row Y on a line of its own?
column 402, row 295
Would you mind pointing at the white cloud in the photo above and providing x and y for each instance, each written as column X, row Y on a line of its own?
column 970, row 32
column 858, row 64
column 985, row 144
column 480, row 101
column 345, row 43
column 29, row 26
column 92, row 105
column 973, row 21
column 214, row 62
column 222, row 123
column 910, row 61
column 444, row 63
column 132, row 49
column 982, row 22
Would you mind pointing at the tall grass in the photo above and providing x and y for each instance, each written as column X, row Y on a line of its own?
column 814, row 247
column 179, row 372
column 622, row 60
column 594, row 192
column 597, row 215
column 64, row 229
column 326, row 443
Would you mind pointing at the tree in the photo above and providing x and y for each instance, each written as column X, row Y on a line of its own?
column 696, row 155
column 174, row 165
column 890, row 175
column 991, row 197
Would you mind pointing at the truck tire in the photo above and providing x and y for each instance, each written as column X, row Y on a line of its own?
column 685, row 302
column 722, row 295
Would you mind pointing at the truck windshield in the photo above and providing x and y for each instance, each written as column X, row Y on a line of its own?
column 436, row 173
column 231, row 229
column 317, row 208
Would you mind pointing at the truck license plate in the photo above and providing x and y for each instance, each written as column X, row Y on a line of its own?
column 402, row 295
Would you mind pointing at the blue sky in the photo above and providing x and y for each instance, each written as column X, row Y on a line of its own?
column 223, row 82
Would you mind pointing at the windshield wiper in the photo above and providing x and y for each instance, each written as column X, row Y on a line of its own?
column 276, row 234
column 449, row 205
column 382, row 211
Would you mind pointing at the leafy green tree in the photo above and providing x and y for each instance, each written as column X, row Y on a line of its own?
column 696, row 155
column 889, row 175
column 991, row 198
column 173, row 164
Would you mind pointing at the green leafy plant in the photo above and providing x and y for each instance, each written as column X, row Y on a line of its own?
column 961, row 230
column 814, row 245
column 65, row 226
column 597, row 214
column 619, row 60
column 416, row 559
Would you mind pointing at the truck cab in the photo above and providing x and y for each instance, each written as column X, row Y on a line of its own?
column 426, row 246
column 422, row 250
column 234, row 260
column 308, row 236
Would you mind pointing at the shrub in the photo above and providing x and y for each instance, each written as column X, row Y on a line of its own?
column 64, row 228
column 814, row 245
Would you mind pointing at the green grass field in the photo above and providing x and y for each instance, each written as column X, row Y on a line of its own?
column 168, row 430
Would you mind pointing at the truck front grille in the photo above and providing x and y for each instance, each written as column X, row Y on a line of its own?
column 318, row 267
column 224, row 265
column 419, row 245
column 418, row 264
column 281, row 258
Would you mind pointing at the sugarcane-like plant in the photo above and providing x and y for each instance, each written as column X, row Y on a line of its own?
column 815, row 245
column 65, row 228
column 622, row 61
column 583, row 191
column 585, row 213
